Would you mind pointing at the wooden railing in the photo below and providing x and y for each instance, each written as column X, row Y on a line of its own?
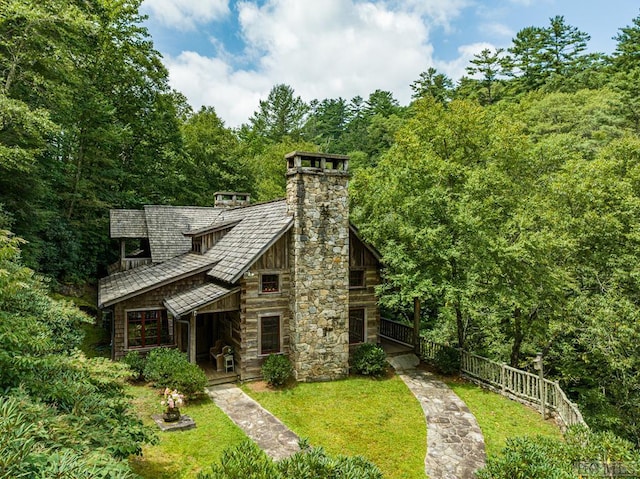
column 511, row 382
column 504, row 379
column 398, row 332
column 127, row 264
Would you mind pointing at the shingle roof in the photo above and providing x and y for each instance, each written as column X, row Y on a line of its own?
column 120, row 286
column 260, row 227
column 195, row 298
column 127, row 224
column 167, row 223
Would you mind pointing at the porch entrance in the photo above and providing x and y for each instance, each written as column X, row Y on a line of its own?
column 212, row 328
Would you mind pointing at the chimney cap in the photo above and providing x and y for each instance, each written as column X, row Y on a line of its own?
column 317, row 162
column 311, row 154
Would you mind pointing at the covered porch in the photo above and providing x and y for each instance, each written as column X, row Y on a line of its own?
column 208, row 329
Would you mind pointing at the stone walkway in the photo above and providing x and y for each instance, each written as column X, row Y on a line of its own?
column 455, row 445
column 264, row 428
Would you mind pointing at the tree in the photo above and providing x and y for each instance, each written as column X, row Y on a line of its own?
column 548, row 55
column 281, row 115
column 595, row 349
column 434, row 84
column 488, row 64
column 212, row 161
column 326, row 124
column 452, row 210
column 112, row 137
column 626, row 57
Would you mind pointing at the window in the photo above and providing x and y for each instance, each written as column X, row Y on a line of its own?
column 147, row 329
column 269, row 334
column 356, row 278
column 356, row 326
column 270, row 283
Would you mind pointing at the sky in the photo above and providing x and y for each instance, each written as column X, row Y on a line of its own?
column 228, row 54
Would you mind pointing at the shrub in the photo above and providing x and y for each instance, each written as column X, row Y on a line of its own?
column 170, row 368
column 369, row 360
column 600, row 454
column 447, row 361
column 247, row 460
column 136, row 363
column 277, row 369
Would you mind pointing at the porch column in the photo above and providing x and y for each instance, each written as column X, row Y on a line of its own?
column 123, row 253
column 192, row 337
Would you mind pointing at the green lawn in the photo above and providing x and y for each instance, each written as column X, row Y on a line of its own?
column 182, row 454
column 500, row 418
column 378, row 419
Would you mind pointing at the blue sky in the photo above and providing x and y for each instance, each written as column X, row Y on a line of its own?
column 229, row 54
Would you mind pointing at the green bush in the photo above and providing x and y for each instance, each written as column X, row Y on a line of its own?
column 170, row 368
column 248, row 461
column 370, row 360
column 277, row 369
column 136, row 363
column 447, row 361
column 595, row 454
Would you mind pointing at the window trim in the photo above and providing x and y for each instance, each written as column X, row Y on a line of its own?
column 270, row 273
column 170, row 325
column 280, row 333
column 364, row 324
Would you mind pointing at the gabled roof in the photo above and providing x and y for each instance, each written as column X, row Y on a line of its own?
column 167, row 223
column 120, row 286
column 260, row 227
column 127, row 224
column 187, row 301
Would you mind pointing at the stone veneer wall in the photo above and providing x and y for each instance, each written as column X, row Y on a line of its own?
column 319, row 261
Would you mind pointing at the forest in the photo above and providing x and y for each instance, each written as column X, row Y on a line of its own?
column 507, row 202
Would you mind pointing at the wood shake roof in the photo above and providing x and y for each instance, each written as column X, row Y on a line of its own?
column 127, row 224
column 186, row 301
column 257, row 227
column 121, row 286
column 167, row 223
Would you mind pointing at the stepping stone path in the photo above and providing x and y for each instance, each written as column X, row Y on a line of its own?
column 260, row 425
column 455, row 445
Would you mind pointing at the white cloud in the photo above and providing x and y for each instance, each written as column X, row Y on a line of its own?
column 440, row 12
column 185, row 14
column 323, row 49
column 212, row 82
column 497, row 29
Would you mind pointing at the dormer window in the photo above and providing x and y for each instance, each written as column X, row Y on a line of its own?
column 270, row 283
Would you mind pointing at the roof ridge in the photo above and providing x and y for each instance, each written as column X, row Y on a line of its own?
column 260, row 203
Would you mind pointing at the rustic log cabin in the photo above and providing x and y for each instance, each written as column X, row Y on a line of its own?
column 239, row 281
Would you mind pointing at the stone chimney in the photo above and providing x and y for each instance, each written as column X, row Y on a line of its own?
column 228, row 199
column 317, row 199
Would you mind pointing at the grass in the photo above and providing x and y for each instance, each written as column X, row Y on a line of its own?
column 378, row 419
column 182, row 454
column 501, row 418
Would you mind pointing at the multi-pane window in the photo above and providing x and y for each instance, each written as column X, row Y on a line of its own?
column 356, row 278
column 356, row 325
column 149, row 328
column 269, row 334
column 270, row 283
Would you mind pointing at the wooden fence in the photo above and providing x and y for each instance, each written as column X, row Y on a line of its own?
column 511, row 382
